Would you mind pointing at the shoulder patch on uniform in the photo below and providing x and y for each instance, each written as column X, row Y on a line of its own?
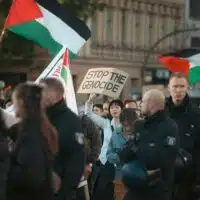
column 79, row 138
column 171, row 141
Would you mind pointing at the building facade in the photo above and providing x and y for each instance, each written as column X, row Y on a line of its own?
column 122, row 35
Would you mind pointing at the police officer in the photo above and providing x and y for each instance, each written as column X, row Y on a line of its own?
column 187, row 117
column 69, row 163
column 154, row 148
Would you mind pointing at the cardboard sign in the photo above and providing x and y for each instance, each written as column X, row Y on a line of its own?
column 107, row 81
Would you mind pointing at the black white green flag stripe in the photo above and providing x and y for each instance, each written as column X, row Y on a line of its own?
column 48, row 24
column 186, row 61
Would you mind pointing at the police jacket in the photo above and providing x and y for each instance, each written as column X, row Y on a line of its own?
column 187, row 117
column 156, row 148
column 70, row 160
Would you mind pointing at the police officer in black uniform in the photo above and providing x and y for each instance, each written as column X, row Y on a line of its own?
column 69, row 162
column 154, row 148
column 187, row 117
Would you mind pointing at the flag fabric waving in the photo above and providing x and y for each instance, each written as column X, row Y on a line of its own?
column 68, row 82
column 186, row 61
column 48, row 24
column 60, row 70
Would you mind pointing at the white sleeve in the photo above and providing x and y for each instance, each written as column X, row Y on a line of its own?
column 9, row 118
column 100, row 121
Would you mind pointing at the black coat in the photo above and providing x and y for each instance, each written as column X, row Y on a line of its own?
column 4, row 166
column 70, row 160
column 30, row 168
column 187, row 117
column 4, row 156
column 156, row 145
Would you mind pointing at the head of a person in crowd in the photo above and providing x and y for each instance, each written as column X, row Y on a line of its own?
column 27, row 99
column 53, row 91
column 98, row 109
column 177, row 87
column 105, row 108
column 127, row 118
column 130, row 103
column 153, row 101
column 8, row 104
column 115, row 108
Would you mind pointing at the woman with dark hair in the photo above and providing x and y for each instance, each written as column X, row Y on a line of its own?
column 103, row 171
column 30, row 175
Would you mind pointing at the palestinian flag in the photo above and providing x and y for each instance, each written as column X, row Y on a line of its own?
column 48, row 24
column 186, row 61
column 61, row 70
column 68, row 82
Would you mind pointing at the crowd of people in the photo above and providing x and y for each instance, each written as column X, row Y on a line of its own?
column 152, row 147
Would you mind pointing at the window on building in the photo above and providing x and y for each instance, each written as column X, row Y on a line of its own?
column 13, row 78
column 125, row 23
column 194, row 9
column 123, row 26
column 195, row 42
column 108, row 24
column 94, row 28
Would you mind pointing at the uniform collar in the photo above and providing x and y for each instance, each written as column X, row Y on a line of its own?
column 185, row 106
column 156, row 117
column 57, row 108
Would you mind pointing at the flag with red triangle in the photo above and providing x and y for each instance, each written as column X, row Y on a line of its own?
column 66, row 76
column 48, row 24
column 186, row 61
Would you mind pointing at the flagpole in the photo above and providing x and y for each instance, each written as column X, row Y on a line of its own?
column 2, row 34
column 45, row 73
column 51, row 65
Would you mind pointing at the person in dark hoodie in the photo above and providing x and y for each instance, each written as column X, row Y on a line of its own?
column 69, row 163
column 187, row 117
column 92, row 140
column 4, row 156
column 30, row 174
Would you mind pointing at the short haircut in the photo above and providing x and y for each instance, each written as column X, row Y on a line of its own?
column 116, row 102
column 177, row 75
column 100, row 106
column 129, row 101
column 54, row 84
column 128, row 114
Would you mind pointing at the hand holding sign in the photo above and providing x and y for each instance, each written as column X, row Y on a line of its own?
column 107, row 81
column 92, row 97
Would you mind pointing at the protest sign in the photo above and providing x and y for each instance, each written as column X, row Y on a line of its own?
column 107, row 81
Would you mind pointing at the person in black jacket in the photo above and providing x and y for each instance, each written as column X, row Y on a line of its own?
column 69, row 163
column 4, row 156
column 30, row 172
column 155, row 147
column 187, row 117
column 92, row 140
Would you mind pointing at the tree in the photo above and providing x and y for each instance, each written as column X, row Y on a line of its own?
column 11, row 42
